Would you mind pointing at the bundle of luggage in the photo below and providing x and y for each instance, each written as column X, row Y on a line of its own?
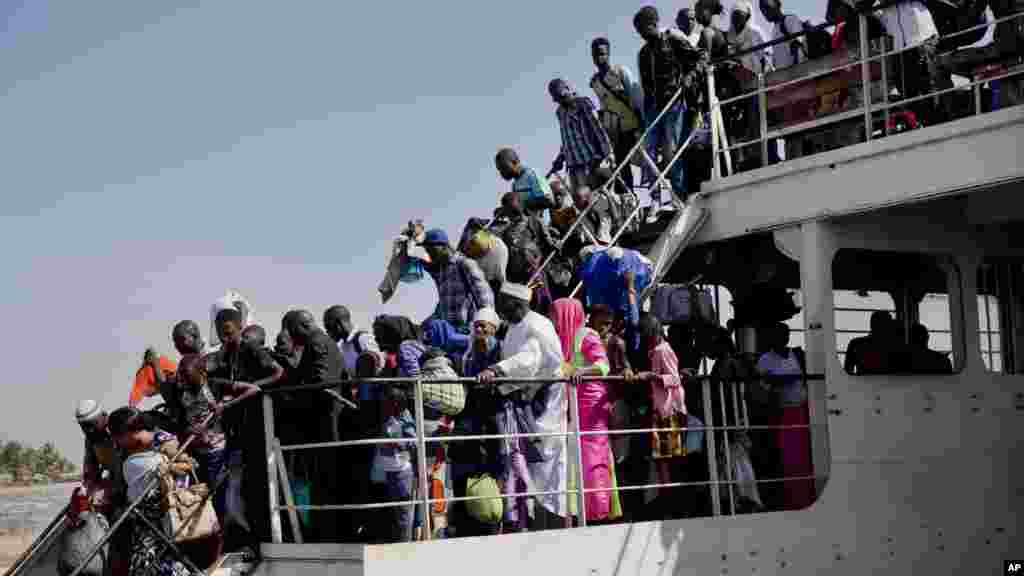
column 682, row 304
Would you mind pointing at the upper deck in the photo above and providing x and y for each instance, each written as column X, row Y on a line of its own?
column 843, row 152
column 969, row 155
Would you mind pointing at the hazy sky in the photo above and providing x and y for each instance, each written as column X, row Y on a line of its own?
column 156, row 154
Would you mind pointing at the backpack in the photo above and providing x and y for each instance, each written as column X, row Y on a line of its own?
column 523, row 253
column 817, row 41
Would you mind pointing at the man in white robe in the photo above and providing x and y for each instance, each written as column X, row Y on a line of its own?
column 532, row 350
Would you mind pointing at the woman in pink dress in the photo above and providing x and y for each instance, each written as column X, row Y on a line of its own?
column 584, row 355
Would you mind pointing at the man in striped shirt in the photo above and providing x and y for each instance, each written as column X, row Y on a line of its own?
column 585, row 144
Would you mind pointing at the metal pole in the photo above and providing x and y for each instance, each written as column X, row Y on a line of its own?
column 977, row 99
column 885, row 96
column 716, row 170
column 735, row 407
column 712, row 452
column 728, row 452
column 289, row 499
column 988, row 315
column 270, row 437
column 762, row 113
column 865, row 75
column 574, row 414
column 421, row 459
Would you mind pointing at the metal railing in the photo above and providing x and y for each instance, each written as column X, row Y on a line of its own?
column 866, row 109
column 736, row 399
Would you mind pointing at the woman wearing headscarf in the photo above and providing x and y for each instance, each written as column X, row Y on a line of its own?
column 442, row 334
column 584, row 355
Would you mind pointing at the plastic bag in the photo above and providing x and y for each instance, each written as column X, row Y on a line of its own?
column 743, row 472
column 487, row 511
column 78, row 540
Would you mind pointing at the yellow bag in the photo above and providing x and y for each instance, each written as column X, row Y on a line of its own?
column 490, row 507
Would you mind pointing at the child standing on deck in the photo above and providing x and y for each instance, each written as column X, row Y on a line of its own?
column 392, row 478
column 669, row 408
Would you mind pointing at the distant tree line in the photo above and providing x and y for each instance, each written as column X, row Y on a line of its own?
column 23, row 462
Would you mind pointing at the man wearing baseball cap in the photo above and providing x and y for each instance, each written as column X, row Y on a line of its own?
column 462, row 288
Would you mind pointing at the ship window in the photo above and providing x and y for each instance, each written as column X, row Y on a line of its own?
column 893, row 313
column 853, row 311
column 999, row 310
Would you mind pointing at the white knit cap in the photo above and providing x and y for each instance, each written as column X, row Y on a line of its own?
column 88, row 410
column 743, row 6
column 487, row 315
column 517, row 291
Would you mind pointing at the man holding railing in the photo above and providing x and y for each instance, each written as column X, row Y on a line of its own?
column 916, row 38
column 321, row 361
column 532, row 350
column 744, row 35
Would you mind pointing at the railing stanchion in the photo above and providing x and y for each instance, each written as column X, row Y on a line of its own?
column 710, row 447
column 270, row 437
column 977, row 99
column 286, row 488
column 762, row 117
column 885, row 94
column 716, row 163
column 743, row 404
column 727, row 447
column 865, row 75
column 421, row 459
column 574, row 415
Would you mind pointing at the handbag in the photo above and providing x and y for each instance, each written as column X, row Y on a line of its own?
column 446, row 398
column 189, row 511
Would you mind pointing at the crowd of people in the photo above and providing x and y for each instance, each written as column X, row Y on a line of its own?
column 517, row 349
column 506, row 318
column 673, row 59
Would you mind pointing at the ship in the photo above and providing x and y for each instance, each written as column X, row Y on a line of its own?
column 913, row 473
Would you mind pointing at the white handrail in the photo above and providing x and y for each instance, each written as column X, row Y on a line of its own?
column 424, row 500
column 867, row 108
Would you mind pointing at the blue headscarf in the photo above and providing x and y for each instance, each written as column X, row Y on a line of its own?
column 441, row 334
